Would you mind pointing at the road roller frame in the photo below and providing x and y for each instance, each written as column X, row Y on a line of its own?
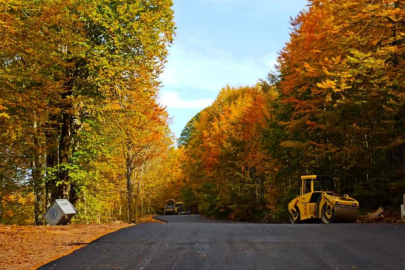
column 319, row 200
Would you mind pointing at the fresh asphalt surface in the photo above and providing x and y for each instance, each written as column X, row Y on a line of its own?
column 193, row 242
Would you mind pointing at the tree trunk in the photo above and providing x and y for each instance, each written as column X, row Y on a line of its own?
column 138, row 194
column 149, row 204
column 129, row 188
column 137, row 199
column 39, row 206
column 51, row 161
column 1, row 195
column 75, row 127
column 65, row 134
column 37, row 179
column 64, row 154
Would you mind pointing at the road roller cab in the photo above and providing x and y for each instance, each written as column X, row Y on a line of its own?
column 170, row 208
column 179, row 208
column 319, row 200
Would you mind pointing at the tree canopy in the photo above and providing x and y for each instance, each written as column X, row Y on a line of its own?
column 79, row 114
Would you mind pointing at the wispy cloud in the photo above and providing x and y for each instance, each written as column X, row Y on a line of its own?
column 270, row 61
column 172, row 100
column 209, row 69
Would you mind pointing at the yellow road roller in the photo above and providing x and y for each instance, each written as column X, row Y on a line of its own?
column 170, row 208
column 318, row 200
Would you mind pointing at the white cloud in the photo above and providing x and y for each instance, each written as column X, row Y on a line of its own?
column 209, row 69
column 172, row 100
column 270, row 60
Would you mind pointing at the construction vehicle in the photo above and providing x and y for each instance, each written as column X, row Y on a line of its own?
column 170, row 208
column 179, row 208
column 318, row 200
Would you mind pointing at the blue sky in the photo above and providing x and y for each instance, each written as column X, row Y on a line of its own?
column 221, row 42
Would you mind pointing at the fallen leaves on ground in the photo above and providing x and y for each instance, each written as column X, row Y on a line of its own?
column 23, row 247
column 381, row 215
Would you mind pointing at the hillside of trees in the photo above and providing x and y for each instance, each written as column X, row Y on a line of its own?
column 334, row 107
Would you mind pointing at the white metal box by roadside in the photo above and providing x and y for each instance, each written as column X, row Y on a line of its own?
column 60, row 212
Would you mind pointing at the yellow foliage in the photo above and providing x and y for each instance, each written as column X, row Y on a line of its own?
column 327, row 84
column 4, row 115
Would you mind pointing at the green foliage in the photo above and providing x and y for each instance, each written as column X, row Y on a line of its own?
column 188, row 131
column 209, row 204
column 188, row 196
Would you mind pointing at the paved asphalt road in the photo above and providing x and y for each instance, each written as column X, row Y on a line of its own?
column 192, row 242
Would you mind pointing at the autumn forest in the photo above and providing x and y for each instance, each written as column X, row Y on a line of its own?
column 80, row 117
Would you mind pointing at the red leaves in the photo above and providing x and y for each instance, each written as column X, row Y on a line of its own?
column 312, row 124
